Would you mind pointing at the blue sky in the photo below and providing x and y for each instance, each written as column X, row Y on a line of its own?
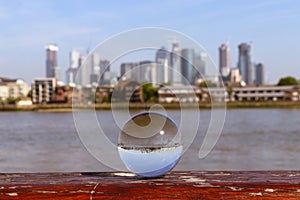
column 273, row 27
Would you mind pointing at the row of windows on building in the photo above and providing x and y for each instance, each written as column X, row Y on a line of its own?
column 47, row 91
column 13, row 88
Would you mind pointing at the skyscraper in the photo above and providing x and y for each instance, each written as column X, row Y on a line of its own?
column 82, row 74
column 200, row 60
column 175, row 64
column 105, row 74
column 244, row 63
column 163, row 71
column 95, row 68
column 147, row 72
column 224, row 60
column 51, row 60
column 127, row 71
column 260, row 74
column 187, row 68
column 74, row 58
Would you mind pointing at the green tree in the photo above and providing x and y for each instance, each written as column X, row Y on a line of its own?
column 106, row 99
column 207, row 84
column 11, row 100
column 150, row 93
column 289, row 80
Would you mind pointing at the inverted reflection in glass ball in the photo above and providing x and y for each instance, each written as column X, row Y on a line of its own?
column 150, row 144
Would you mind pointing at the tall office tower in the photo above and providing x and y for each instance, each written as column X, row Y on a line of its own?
column 82, row 73
column 51, row 60
column 105, row 73
column 260, row 74
column 200, row 60
column 224, row 60
column 74, row 57
column 244, row 63
column 128, row 71
column 175, row 64
column 187, row 66
column 147, row 72
column 95, row 68
column 163, row 70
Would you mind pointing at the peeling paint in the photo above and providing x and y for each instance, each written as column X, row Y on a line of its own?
column 46, row 192
column 292, row 175
column 269, row 190
column 235, row 188
column 194, row 180
column 256, row 194
column 13, row 194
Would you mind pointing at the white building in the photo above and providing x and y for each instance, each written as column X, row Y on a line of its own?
column 3, row 92
column 184, row 94
column 266, row 93
column 13, row 88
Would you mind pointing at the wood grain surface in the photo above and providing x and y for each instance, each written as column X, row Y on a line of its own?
column 175, row 185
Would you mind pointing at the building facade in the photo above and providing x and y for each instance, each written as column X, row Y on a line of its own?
column 52, row 69
column 176, row 94
column 3, row 92
column 260, row 78
column 95, row 68
column 13, row 88
column 105, row 74
column 175, row 61
column 43, row 90
column 266, row 93
column 244, row 63
column 163, row 70
column 235, row 76
column 74, row 64
column 127, row 71
column 200, row 64
column 187, row 66
column 224, row 60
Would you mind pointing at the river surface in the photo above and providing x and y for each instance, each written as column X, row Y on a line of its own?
column 251, row 139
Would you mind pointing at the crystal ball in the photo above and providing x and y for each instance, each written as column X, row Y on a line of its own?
column 149, row 144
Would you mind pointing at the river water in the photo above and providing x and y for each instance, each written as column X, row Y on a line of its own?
column 251, row 139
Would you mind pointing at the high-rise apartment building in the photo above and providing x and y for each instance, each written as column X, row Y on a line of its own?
column 244, row 63
column 260, row 74
column 187, row 66
column 52, row 69
column 224, row 60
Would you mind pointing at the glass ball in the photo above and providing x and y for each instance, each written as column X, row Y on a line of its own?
column 150, row 144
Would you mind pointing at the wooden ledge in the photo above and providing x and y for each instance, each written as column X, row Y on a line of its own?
column 175, row 185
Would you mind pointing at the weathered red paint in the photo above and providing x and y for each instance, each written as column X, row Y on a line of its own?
column 175, row 185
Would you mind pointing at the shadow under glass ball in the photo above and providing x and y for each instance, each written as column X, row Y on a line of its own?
column 150, row 144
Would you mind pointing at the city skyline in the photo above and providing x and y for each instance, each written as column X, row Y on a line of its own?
column 270, row 25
